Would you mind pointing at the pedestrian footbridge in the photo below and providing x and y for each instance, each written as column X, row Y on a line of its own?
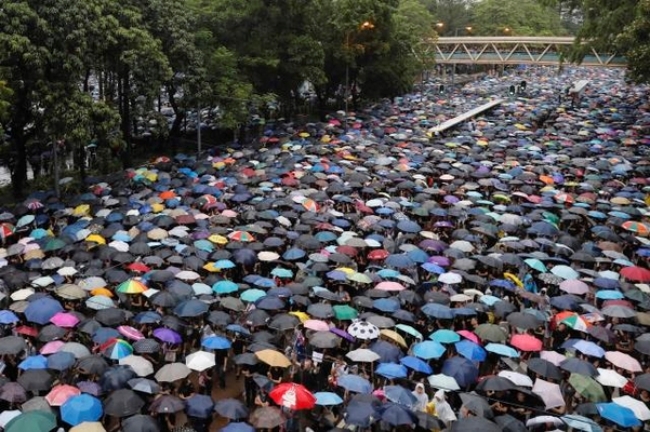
column 517, row 50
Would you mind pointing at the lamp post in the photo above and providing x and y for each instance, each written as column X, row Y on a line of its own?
column 366, row 25
column 468, row 29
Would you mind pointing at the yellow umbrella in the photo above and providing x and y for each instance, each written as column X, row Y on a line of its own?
column 81, row 210
column 96, row 238
column 102, row 292
column 273, row 358
column 394, row 336
column 88, row 427
column 514, row 279
column 33, row 254
column 304, row 134
column 346, row 270
column 301, row 316
column 218, row 239
column 211, row 268
column 157, row 207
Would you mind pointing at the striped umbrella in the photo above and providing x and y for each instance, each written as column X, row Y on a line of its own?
column 116, row 349
column 131, row 286
column 636, row 227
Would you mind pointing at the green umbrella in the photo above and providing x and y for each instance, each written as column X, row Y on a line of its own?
column 536, row 264
column 54, row 244
column 409, row 330
column 491, row 333
column 32, row 421
column 345, row 312
column 588, row 387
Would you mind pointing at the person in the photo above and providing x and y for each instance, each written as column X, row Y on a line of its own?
column 421, row 398
column 441, row 408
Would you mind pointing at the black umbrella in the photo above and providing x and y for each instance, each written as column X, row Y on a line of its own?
column 12, row 345
column 116, row 377
column 112, row 316
column 510, row 424
column 36, row 380
column 495, row 383
column 140, row 423
column 544, row 368
column 123, row 403
column 93, row 365
column 231, row 409
column 473, row 424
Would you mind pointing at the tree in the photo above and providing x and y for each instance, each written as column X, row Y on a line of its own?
column 634, row 42
column 451, row 14
column 519, row 17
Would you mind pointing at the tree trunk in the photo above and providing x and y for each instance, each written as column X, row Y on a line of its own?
column 18, row 166
column 124, row 95
column 180, row 116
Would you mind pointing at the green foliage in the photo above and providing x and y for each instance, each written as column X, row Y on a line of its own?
column 516, row 17
column 636, row 38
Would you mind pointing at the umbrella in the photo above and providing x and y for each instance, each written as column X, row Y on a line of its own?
column 171, row 372
column 81, row 408
column 32, row 421
column 618, row 414
column 639, row 408
column 462, row 370
column 273, row 358
column 140, row 423
column 549, row 392
column 231, row 409
column 293, row 396
column 123, row 403
column 266, row 418
column 587, row 387
column 327, row 398
column 469, row 424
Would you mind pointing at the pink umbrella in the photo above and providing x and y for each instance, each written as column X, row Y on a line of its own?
column 130, row 332
column 64, row 319
column 60, row 394
column 316, row 325
column 526, row 342
column 574, row 286
column 469, row 335
column 390, row 286
column 549, row 392
column 623, row 361
column 52, row 347
column 553, row 357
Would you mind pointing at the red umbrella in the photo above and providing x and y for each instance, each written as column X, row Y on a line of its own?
column 378, row 254
column 526, row 342
column 138, row 267
column 293, row 396
column 637, row 274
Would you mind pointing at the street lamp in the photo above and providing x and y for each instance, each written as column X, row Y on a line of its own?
column 366, row 25
column 507, row 30
column 467, row 29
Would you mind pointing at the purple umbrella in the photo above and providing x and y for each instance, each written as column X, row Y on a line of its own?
column 169, row 336
column 342, row 333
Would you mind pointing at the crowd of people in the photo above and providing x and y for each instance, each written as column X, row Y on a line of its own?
column 367, row 273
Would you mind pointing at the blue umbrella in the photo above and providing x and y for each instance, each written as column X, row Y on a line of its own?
column 400, row 395
column 61, row 361
column 618, row 414
column 40, row 311
column 408, row 226
column 225, row 287
column 199, row 406
column 191, row 308
column 470, row 350
column 584, row 346
column 609, row 295
column 269, row 303
column 81, row 408
column 216, row 343
column 416, row 364
column 327, row 398
column 231, row 408
column 578, row 422
column 502, row 350
column 395, row 415
column 355, row 383
column 104, row 334
column 360, row 411
column 8, row 317
column 432, row 268
column 444, row 336
column 428, row 350
column 438, row 311
column 462, row 370
column 224, row 264
column 237, row 427
column 293, row 254
column 33, row 362
column 389, row 304
column 387, row 352
column 399, row 261
column 147, row 317
column 391, row 370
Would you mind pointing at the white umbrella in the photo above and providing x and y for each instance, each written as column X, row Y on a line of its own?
column 200, row 361
column 640, row 409
column 200, row 288
column 450, row 278
column 93, row 282
column 363, row 330
column 611, row 378
column 67, row 271
column 172, row 372
column 140, row 365
column 517, row 378
column 7, row 416
column 462, row 245
column 549, row 392
column 79, row 350
column 363, row 355
column 553, row 357
column 22, row 294
column 187, row 275
column 545, row 419
column 443, row 382
column 268, row 256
